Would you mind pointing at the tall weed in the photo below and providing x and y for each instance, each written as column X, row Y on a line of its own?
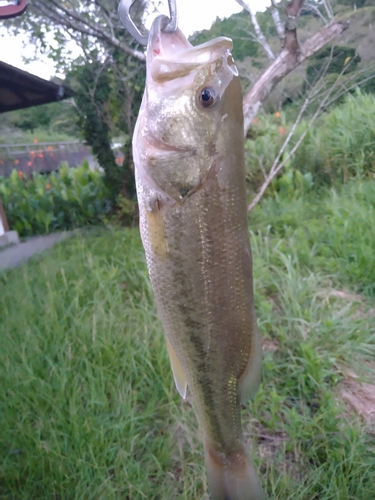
column 334, row 230
column 342, row 143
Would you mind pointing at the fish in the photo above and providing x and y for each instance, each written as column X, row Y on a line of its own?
column 188, row 151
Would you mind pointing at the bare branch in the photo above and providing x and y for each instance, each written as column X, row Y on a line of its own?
column 279, row 25
column 344, row 89
column 315, row 9
column 277, row 165
column 259, row 34
column 328, row 9
column 83, row 25
column 283, row 65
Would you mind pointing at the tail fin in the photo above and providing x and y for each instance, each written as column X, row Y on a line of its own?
column 231, row 478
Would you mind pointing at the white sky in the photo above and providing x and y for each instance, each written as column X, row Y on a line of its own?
column 194, row 15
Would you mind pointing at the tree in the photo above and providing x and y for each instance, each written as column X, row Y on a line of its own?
column 320, row 96
column 107, row 77
column 236, row 27
column 97, row 22
column 117, row 61
column 292, row 53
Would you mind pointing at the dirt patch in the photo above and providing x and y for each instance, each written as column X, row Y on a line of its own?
column 360, row 397
column 362, row 308
column 269, row 443
column 270, row 345
column 271, row 449
column 327, row 293
column 369, row 314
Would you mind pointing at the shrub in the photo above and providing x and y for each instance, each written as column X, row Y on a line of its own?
column 331, row 60
column 264, row 140
column 44, row 203
column 342, row 143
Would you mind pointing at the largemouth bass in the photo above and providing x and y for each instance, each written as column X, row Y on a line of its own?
column 189, row 159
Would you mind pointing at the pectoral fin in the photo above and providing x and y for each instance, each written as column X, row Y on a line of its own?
column 156, row 232
column 178, row 372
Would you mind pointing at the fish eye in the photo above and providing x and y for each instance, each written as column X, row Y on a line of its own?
column 207, row 97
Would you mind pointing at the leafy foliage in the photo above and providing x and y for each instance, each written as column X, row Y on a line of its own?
column 264, row 139
column 64, row 200
column 100, row 102
column 108, row 76
column 57, row 117
column 342, row 144
column 237, row 27
column 338, row 147
column 93, row 100
column 331, row 60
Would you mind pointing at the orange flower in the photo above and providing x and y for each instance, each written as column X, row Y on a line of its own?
column 277, row 114
column 1, row 162
column 119, row 160
column 16, row 162
column 255, row 120
column 32, row 153
column 41, row 155
column 35, row 141
column 48, row 186
column 282, row 130
column 20, row 174
column 29, row 163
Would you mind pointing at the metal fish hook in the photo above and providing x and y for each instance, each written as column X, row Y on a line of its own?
column 127, row 21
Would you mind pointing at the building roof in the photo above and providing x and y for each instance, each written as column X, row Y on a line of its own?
column 19, row 89
column 13, row 8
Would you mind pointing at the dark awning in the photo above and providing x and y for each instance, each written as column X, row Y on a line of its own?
column 19, row 89
column 12, row 8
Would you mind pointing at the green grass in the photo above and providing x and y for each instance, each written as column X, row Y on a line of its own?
column 341, row 144
column 88, row 409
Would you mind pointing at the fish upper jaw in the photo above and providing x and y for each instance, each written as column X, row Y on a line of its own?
column 171, row 55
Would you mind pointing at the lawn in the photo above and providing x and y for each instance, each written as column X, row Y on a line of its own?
column 88, row 409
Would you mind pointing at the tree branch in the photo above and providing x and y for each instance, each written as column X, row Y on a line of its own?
column 283, row 65
column 277, row 164
column 328, row 9
column 259, row 34
column 292, row 11
column 84, row 25
column 315, row 9
column 279, row 25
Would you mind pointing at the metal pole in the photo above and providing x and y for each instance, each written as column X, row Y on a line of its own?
column 4, row 226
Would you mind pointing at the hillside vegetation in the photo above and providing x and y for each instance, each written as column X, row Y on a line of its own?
column 355, row 46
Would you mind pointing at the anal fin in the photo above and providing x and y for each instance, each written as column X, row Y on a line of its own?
column 251, row 377
column 178, row 372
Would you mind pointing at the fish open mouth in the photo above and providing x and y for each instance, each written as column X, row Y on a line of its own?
column 171, row 55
